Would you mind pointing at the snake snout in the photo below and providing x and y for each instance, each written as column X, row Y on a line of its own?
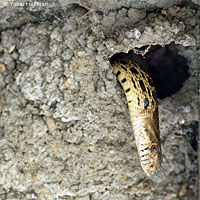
column 150, row 159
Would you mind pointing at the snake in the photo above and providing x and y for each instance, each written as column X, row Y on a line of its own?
column 143, row 109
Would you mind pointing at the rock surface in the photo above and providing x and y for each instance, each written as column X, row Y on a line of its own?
column 65, row 131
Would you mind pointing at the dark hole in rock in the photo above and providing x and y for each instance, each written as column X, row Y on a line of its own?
column 165, row 66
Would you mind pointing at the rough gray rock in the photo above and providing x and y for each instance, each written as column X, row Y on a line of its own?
column 64, row 124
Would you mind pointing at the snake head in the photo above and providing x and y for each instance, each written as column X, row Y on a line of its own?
column 150, row 158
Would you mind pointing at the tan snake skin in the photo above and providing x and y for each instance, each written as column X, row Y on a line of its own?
column 143, row 108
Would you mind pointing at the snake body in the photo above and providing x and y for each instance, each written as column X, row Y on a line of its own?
column 143, row 108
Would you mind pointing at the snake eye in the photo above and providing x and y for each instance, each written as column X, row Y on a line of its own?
column 154, row 149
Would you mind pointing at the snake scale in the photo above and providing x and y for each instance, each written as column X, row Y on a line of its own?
column 143, row 108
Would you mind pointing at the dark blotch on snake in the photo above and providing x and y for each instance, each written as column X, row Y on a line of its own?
column 118, row 73
column 133, row 70
column 149, row 92
column 124, row 80
column 127, row 90
column 142, row 85
column 133, row 83
column 123, row 67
